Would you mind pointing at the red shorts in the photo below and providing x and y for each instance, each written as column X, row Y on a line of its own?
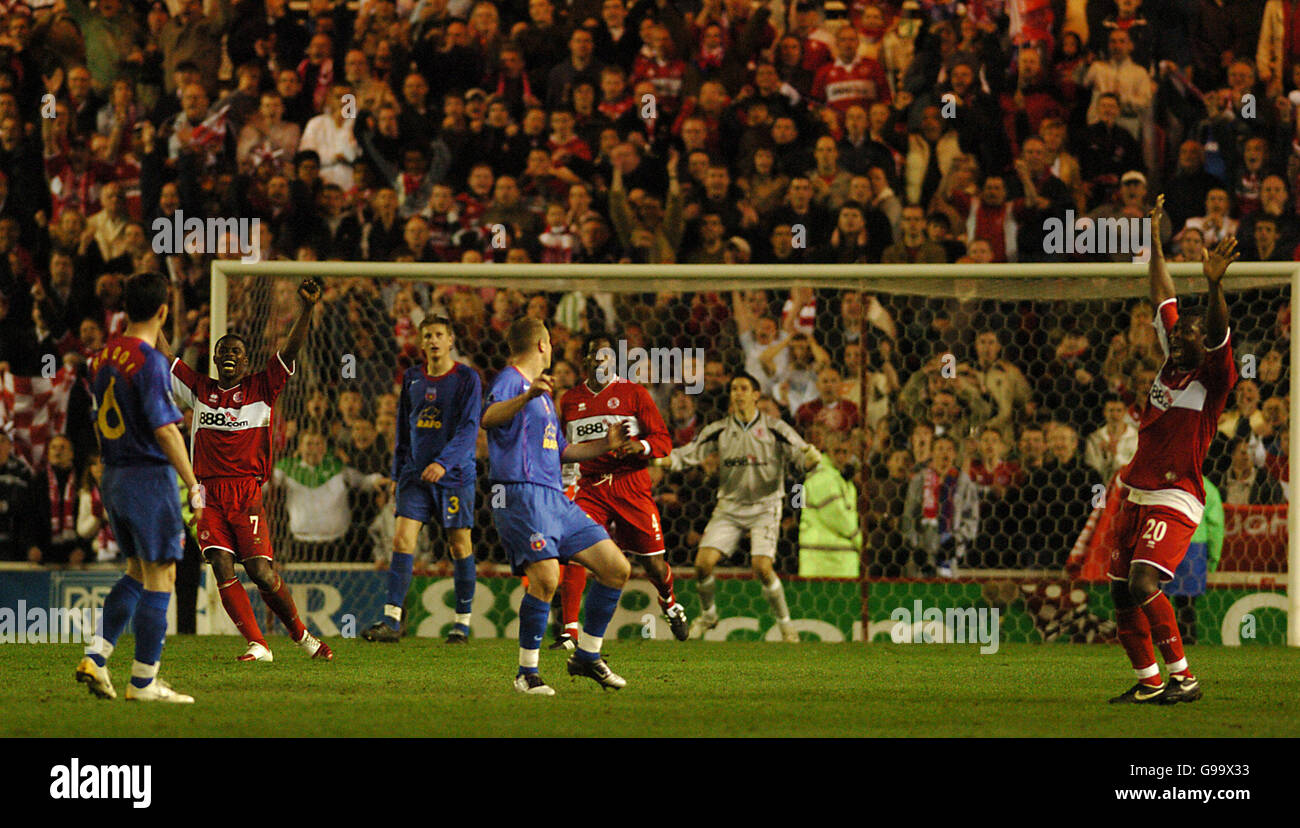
column 624, row 506
column 1155, row 535
column 233, row 518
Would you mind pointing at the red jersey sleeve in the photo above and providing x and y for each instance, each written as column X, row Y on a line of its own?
column 655, row 436
column 185, row 383
column 1220, row 366
column 1166, row 316
column 277, row 376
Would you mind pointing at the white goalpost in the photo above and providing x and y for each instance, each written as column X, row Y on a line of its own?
column 1047, row 282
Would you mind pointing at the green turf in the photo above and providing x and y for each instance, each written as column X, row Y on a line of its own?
column 422, row 687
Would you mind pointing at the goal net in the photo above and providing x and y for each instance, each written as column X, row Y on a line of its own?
column 975, row 417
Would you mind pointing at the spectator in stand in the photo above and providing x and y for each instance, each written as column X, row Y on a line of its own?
column 828, row 410
column 315, row 486
column 92, row 520
column 1108, row 150
column 1245, row 483
column 1111, row 447
column 18, row 496
column 1244, row 418
column 941, row 516
column 1216, row 223
column 1267, row 247
column 995, row 479
column 930, row 154
column 55, row 515
column 830, row 181
column 913, row 247
column 796, row 384
column 850, row 80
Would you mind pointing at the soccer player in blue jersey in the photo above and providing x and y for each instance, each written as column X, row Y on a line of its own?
column 433, row 468
column 540, row 527
column 142, row 451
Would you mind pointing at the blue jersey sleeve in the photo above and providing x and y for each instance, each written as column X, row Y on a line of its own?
column 468, row 407
column 155, row 391
column 402, row 444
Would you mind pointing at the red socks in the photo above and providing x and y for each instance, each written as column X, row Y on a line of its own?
column 235, row 599
column 281, row 603
column 572, row 583
column 666, row 596
column 1135, row 638
column 1160, row 615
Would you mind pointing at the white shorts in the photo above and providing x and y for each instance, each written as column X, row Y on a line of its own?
column 730, row 523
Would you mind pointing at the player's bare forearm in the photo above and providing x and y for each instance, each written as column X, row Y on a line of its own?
column 309, row 293
column 1216, row 315
column 579, row 452
column 173, row 445
column 1162, row 286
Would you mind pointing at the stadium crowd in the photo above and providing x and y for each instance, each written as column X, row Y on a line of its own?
column 722, row 131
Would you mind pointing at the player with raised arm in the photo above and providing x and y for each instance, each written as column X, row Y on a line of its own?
column 540, row 527
column 1163, row 497
column 142, row 451
column 614, row 491
column 754, row 449
column 231, row 442
column 433, row 467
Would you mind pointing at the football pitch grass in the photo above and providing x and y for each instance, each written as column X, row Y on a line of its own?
column 422, row 687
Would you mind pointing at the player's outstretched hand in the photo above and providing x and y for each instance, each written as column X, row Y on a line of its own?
column 310, row 291
column 1214, row 263
column 1157, row 216
column 542, row 385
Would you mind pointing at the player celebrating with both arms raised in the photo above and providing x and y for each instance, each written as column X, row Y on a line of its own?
column 614, row 491
column 540, row 527
column 753, row 449
column 1163, row 495
column 433, row 467
column 231, row 444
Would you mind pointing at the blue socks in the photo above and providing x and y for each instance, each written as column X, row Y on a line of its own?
column 399, row 581
column 464, row 578
column 119, row 606
column 533, row 615
column 150, row 630
column 599, row 609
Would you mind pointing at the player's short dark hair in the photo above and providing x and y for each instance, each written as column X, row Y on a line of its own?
column 745, row 375
column 430, row 321
column 143, row 294
column 231, row 335
column 524, row 334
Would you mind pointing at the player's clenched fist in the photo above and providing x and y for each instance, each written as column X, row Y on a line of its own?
column 310, row 290
column 432, row 473
column 618, row 437
column 542, row 385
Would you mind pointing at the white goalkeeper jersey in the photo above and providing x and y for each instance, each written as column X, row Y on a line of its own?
column 752, row 457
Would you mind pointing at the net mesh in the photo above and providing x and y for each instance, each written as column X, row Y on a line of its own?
column 1035, row 383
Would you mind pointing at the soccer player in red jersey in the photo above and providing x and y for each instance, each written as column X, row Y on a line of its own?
column 231, row 445
column 615, row 491
column 1163, row 494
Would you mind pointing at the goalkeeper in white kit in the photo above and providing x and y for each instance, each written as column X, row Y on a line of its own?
column 753, row 450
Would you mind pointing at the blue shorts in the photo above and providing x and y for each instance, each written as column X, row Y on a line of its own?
column 538, row 522
column 427, row 502
column 143, row 504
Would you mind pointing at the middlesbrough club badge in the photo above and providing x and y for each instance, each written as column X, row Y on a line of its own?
column 613, row 402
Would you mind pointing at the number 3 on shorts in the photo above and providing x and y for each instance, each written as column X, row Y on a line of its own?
column 1155, row 531
column 453, row 505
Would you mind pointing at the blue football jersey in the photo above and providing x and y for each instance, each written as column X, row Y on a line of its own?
column 527, row 449
column 132, row 388
column 437, row 422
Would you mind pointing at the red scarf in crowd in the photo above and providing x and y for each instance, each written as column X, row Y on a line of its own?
column 937, row 499
column 1291, row 38
column 63, row 511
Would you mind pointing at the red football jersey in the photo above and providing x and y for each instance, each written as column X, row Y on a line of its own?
column 231, row 431
column 1178, row 425
column 588, row 416
column 861, row 83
